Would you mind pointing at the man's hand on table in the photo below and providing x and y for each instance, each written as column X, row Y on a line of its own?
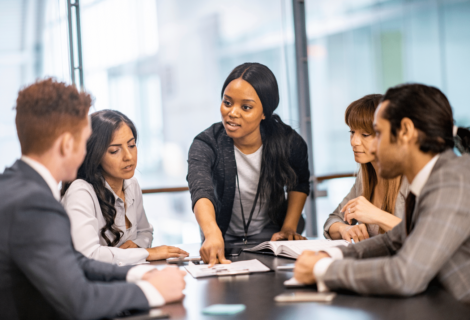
column 212, row 250
column 303, row 271
column 169, row 282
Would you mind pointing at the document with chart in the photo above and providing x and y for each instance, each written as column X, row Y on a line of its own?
column 234, row 268
column 292, row 249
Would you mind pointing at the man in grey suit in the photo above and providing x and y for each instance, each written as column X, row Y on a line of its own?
column 415, row 138
column 41, row 275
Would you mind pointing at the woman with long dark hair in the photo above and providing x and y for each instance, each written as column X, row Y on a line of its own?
column 240, row 169
column 377, row 204
column 105, row 204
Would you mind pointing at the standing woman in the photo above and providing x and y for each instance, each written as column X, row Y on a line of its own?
column 241, row 168
column 377, row 204
column 105, row 204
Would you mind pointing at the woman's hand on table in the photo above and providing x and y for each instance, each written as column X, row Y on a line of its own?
column 287, row 235
column 213, row 250
column 165, row 252
column 357, row 232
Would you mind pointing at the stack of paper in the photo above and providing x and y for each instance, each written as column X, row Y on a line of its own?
column 234, row 268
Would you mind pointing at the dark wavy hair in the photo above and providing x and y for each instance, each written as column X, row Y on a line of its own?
column 104, row 124
column 431, row 113
column 276, row 173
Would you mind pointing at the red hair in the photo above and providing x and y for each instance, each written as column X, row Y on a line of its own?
column 47, row 109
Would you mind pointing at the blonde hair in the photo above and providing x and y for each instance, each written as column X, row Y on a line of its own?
column 360, row 115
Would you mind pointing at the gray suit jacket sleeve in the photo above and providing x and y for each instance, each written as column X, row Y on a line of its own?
column 391, row 265
column 41, row 247
column 337, row 215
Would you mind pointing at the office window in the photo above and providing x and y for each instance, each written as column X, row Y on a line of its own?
column 163, row 64
column 362, row 47
column 33, row 44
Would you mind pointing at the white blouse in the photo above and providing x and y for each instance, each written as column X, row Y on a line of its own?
column 82, row 206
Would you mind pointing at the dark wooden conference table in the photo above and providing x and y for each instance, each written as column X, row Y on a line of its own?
column 257, row 292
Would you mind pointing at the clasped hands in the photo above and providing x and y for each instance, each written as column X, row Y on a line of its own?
column 362, row 210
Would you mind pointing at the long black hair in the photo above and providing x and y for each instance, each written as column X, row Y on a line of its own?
column 104, row 124
column 276, row 172
column 430, row 111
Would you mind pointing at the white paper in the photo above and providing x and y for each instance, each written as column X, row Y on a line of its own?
column 234, row 268
column 314, row 245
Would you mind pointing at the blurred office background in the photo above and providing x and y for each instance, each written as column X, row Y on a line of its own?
column 163, row 62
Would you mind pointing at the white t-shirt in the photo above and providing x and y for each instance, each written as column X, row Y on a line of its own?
column 249, row 169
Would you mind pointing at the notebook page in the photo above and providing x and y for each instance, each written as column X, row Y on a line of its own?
column 299, row 246
column 273, row 245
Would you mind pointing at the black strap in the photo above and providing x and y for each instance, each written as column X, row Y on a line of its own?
column 409, row 209
column 247, row 225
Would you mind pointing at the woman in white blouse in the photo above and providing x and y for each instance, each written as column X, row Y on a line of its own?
column 104, row 203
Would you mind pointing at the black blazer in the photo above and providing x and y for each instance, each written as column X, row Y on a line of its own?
column 41, row 275
column 212, row 170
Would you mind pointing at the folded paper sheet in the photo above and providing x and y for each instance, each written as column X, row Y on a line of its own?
column 234, row 268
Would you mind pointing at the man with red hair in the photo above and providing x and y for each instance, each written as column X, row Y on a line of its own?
column 41, row 275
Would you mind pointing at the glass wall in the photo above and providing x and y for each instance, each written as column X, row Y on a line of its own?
column 33, row 43
column 362, row 47
column 163, row 64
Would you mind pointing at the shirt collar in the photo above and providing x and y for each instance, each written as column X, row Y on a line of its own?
column 129, row 195
column 422, row 177
column 45, row 174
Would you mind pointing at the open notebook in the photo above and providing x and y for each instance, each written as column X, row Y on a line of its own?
column 292, row 249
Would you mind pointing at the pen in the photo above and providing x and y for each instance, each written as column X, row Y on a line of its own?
column 288, row 267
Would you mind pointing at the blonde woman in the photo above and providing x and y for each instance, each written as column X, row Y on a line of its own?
column 374, row 205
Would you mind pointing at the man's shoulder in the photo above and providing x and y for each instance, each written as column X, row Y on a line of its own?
column 451, row 171
column 14, row 186
column 454, row 166
column 23, row 200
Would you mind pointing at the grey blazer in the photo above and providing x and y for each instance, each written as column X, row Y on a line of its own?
column 437, row 247
column 41, row 275
column 356, row 191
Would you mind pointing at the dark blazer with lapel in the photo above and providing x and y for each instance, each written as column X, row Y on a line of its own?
column 212, row 170
column 41, row 275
